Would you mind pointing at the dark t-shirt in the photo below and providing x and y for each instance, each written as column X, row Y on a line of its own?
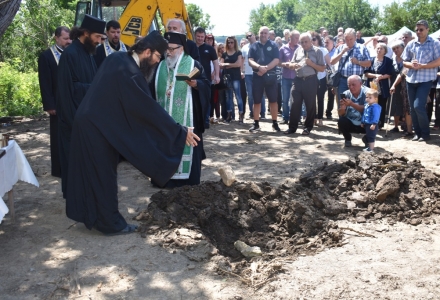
column 234, row 72
column 207, row 54
column 360, row 41
column 264, row 54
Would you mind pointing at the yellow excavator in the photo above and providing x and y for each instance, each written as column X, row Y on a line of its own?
column 137, row 17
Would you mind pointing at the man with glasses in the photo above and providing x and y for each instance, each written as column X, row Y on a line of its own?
column 306, row 61
column 186, row 102
column 263, row 59
column 422, row 57
column 248, row 73
column 118, row 116
column 177, row 25
column 353, row 58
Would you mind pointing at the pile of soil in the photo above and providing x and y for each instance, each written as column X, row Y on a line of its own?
column 297, row 216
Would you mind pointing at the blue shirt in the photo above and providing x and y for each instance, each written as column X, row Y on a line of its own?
column 424, row 53
column 352, row 114
column 371, row 113
column 360, row 52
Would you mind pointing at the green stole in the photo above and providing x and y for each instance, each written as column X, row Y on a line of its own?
column 176, row 98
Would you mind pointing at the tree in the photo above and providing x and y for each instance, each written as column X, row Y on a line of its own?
column 32, row 31
column 396, row 15
column 357, row 14
column 277, row 17
column 198, row 18
column 8, row 9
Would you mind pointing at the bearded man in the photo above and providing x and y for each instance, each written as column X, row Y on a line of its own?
column 117, row 117
column 75, row 74
column 185, row 101
column 111, row 44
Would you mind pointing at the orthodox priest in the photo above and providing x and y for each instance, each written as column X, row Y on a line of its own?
column 185, row 101
column 117, row 117
column 47, row 76
column 75, row 74
column 111, row 44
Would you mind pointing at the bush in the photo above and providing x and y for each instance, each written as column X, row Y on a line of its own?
column 19, row 92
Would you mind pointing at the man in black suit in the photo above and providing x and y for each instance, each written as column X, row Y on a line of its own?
column 47, row 75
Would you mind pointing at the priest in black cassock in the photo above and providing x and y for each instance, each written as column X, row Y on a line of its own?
column 111, row 44
column 117, row 117
column 186, row 101
column 47, row 76
column 75, row 74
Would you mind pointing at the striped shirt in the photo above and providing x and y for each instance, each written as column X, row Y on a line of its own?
column 424, row 53
column 360, row 52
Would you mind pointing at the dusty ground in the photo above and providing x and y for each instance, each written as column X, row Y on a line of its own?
column 44, row 255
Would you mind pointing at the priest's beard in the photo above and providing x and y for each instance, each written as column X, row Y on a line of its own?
column 90, row 45
column 172, row 61
column 148, row 67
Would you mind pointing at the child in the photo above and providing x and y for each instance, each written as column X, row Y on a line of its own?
column 370, row 118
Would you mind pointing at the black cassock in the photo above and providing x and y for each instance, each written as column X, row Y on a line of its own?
column 117, row 117
column 200, row 97
column 47, row 76
column 75, row 74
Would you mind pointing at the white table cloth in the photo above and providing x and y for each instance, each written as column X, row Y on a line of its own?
column 13, row 167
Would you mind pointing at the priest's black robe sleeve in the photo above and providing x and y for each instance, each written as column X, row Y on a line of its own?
column 47, row 79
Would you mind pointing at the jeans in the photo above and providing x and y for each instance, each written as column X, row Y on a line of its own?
column 342, row 87
column 286, row 86
column 230, row 99
column 248, row 81
column 417, row 95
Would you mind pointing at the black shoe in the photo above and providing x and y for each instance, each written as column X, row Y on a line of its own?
column 305, row 132
column 329, row 117
column 275, row 127
column 206, row 125
column 289, row 131
column 285, row 122
column 254, row 128
column 395, row 129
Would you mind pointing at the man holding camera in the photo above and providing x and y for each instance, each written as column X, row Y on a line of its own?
column 351, row 108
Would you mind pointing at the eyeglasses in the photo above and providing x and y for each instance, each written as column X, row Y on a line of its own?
column 171, row 50
column 381, row 41
column 249, row 36
column 159, row 56
column 420, row 30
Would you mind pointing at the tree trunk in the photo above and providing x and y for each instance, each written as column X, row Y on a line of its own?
column 8, row 9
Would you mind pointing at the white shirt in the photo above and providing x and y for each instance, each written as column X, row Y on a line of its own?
column 324, row 53
column 245, row 53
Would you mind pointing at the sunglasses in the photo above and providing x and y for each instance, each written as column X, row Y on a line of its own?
column 420, row 30
column 249, row 36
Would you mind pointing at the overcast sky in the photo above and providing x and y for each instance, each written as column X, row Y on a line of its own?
column 230, row 17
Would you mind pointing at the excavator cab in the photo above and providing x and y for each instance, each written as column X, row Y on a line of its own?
column 137, row 17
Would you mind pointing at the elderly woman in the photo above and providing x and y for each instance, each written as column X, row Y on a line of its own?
column 400, row 105
column 231, row 63
column 379, row 73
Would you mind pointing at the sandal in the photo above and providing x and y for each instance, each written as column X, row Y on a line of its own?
column 130, row 228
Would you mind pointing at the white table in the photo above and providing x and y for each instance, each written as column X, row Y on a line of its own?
column 13, row 167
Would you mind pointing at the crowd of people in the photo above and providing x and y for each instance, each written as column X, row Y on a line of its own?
column 396, row 71
column 151, row 103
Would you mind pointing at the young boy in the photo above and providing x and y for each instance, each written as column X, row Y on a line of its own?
column 370, row 118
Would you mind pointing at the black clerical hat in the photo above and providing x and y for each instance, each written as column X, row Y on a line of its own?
column 156, row 40
column 176, row 38
column 93, row 24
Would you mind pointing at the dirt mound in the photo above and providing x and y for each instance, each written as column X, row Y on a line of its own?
column 297, row 216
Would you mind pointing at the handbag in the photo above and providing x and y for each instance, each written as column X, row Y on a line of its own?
column 334, row 78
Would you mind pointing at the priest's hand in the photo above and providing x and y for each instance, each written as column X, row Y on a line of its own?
column 52, row 112
column 192, row 83
column 191, row 137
